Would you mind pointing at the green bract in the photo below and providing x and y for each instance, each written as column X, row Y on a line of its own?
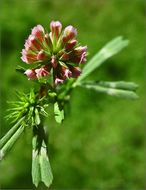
column 30, row 106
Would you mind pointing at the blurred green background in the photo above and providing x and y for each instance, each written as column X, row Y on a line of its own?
column 101, row 144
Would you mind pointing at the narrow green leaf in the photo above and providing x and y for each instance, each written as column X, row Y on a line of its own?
column 11, row 142
column 32, row 96
column 63, row 64
column 59, row 114
column 36, row 173
column 46, row 172
column 111, row 91
column 10, row 133
column 20, row 69
column 120, row 85
column 43, row 112
column 116, row 85
column 110, row 49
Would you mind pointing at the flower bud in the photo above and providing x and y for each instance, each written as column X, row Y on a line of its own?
column 32, row 40
column 83, row 58
column 29, row 46
column 58, row 81
column 69, row 33
column 41, row 55
column 80, row 54
column 55, row 27
column 75, row 71
column 80, row 50
column 70, row 45
column 23, row 57
column 41, row 72
column 66, row 72
column 53, row 62
column 64, row 57
column 38, row 32
column 30, row 73
column 28, row 57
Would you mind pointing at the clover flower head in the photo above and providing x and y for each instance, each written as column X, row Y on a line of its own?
column 57, row 52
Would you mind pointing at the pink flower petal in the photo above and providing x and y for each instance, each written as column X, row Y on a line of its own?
column 58, row 81
column 66, row 72
column 69, row 33
column 76, row 71
column 35, row 42
column 30, row 73
column 54, row 62
column 55, row 27
column 41, row 55
column 80, row 50
column 41, row 72
column 70, row 45
column 38, row 32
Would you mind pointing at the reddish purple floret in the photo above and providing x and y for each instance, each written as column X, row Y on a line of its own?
column 58, row 51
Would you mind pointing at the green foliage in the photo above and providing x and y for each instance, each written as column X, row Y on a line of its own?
column 46, row 173
column 10, row 132
column 106, row 52
column 29, row 106
column 120, row 85
column 111, row 129
column 117, row 89
column 36, row 175
column 41, row 169
column 8, row 145
column 112, row 88
column 59, row 113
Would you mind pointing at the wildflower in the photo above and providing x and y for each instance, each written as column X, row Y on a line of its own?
column 69, row 33
column 76, row 71
column 58, row 81
column 41, row 72
column 30, row 74
column 57, row 51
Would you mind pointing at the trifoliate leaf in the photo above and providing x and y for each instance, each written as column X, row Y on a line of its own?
column 59, row 113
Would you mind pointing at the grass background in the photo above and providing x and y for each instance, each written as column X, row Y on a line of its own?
column 101, row 144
